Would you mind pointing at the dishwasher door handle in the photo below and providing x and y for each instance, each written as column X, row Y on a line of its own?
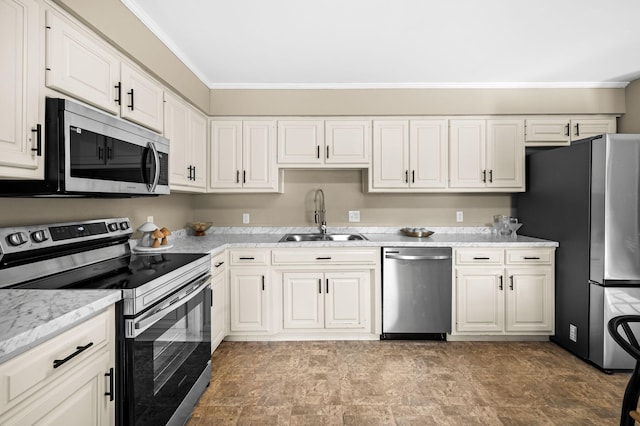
column 406, row 257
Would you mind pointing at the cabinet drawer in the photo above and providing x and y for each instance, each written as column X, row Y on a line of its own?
column 218, row 264
column 249, row 257
column 481, row 256
column 322, row 256
column 529, row 257
column 27, row 373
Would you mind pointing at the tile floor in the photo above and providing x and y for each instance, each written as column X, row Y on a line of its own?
column 406, row 383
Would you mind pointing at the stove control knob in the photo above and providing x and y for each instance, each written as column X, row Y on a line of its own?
column 39, row 236
column 113, row 227
column 17, row 239
column 124, row 225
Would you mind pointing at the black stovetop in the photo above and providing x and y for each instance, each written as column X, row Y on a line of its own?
column 127, row 272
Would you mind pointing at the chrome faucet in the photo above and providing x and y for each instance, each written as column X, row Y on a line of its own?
column 320, row 213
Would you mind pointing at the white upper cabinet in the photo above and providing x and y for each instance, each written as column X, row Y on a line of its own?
column 82, row 65
column 428, row 143
column 347, row 142
column 324, row 143
column 21, row 123
column 242, row 156
column 486, row 155
column 186, row 130
column 301, row 142
column 390, row 165
column 467, row 148
column 141, row 98
column 551, row 131
column 409, row 155
column 505, row 154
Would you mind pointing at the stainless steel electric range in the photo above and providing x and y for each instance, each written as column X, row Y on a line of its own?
column 163, row 321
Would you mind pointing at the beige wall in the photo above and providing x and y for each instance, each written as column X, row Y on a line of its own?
column 343, row 192
column 115, row 22
column 172, row 211
column 417, row 101
column 630, row 122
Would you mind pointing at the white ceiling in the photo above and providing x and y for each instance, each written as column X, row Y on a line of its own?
column 400, row 43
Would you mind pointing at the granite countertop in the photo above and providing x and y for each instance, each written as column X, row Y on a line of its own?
column 218, row 239
column 30, row 317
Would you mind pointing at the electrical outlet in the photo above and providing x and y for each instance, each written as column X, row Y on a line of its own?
column 150, row 219
column 459, row 216
column 354, row 215
column 573, row 333
column 246, row 218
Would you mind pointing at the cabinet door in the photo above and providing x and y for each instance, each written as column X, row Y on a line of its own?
column 259, row 157
column 303, row 299
column 505, row 154
column 198, row 149
column 80, row 65
column 586, row 128
column 301, row 142
column 142, row 98
column 20, row 68
column 529, row 301
column 218, row 309
column 78, row 398
column 248, row 299
column 479, row 300
column 347, row 299
column 467, row 168
column 176, row 129
column 390, row 165
column 225, row 154
column 347, row 142
column 428, row 143
column 547, row 131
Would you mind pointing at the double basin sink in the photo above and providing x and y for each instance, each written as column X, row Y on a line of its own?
column 321, row 237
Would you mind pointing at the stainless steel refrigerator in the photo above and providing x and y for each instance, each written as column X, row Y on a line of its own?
column 586, row 196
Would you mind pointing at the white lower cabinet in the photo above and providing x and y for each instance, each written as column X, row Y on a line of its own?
column 79, row 391
column 219, row 300
column 249, row 299
column 249, row 291
column 325, row 300
column 500, row 291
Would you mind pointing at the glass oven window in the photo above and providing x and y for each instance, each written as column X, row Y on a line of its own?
column 183, row 335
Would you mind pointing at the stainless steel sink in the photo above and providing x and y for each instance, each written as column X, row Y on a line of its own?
column 321, row 237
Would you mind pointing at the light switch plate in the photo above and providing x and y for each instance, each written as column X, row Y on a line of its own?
column 354, row 215
column 459, row 216
column 246, row 218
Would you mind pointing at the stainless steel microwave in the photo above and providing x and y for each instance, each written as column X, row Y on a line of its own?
column 91, row 153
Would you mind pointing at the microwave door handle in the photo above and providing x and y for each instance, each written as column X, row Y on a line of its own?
column 156, row 158
column 154, row 315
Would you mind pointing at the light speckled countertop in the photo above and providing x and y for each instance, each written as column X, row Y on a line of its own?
column 29, row 317
column 218, row 239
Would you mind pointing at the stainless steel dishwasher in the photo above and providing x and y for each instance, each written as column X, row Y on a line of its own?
column 416, row 292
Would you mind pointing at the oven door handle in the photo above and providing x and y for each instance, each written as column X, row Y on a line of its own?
column 174, row 302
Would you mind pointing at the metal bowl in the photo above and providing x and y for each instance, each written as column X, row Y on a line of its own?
column 416, row 232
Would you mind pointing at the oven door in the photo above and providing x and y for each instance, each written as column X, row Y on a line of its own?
column 167, row 348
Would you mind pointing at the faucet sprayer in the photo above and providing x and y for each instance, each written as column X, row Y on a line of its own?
column 320, row 212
